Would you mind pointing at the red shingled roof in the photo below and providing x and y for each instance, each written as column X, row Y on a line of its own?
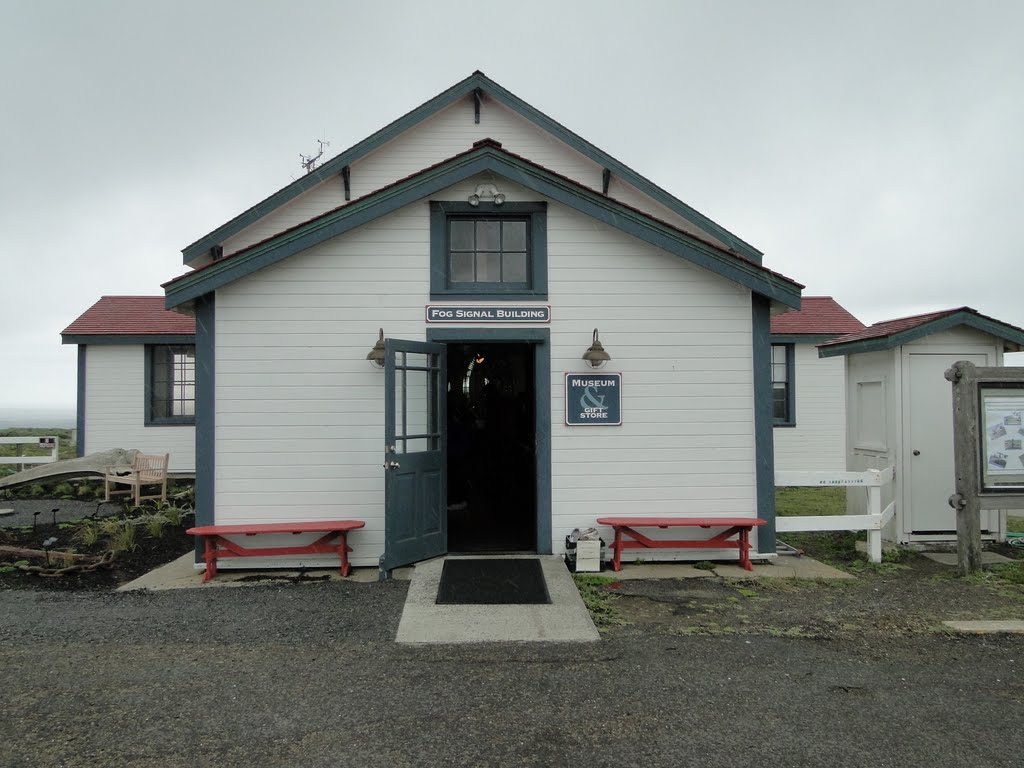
column 817, row 315
column 900, row 324
column 130, row 316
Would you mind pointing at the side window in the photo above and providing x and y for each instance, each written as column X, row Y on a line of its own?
column 488, row 251
column 170, row 384
column 783, row 400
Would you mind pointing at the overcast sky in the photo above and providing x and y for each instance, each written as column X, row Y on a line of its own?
column 872, row 150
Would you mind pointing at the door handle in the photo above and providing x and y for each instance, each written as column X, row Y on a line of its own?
column 917, row 453
column 391, row 465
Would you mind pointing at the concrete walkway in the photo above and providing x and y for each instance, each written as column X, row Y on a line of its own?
column 565, row 619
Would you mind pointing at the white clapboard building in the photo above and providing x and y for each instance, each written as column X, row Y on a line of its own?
column 136, row 373
column 488, row 249
column 808, row 391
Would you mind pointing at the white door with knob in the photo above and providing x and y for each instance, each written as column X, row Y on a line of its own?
column 928, row 448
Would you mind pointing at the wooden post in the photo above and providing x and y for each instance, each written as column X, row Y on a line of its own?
column 875, row 535
column 965, row 461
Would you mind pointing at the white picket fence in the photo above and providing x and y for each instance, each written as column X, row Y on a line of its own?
column 872, row 481
column 48, row 442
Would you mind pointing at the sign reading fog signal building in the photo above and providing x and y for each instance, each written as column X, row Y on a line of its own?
column 593, row 399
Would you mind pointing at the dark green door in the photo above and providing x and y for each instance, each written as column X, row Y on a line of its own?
column 415, row 446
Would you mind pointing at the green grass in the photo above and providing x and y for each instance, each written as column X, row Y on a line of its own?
column 837, row 547
column 803, row 502
column 1014, row 524
column 599, row 601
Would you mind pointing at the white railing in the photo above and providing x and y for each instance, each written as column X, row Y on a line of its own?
column 872, row 480
column 49, row 443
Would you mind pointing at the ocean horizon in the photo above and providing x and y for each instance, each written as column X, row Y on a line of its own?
column 37, row 417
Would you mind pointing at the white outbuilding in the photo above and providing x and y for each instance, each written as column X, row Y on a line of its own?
column 136, row 379
column 899, row 408
column 808, row 391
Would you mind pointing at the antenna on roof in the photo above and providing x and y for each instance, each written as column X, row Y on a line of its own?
column 309, row 161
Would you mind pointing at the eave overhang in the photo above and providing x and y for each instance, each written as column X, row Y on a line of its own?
column 486, row 156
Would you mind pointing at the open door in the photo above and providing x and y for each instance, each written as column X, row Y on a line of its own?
column 415, row 447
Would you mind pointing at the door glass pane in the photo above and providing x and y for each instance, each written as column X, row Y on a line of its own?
column 515, row 268
column 462, row 267
column 488, row 267
column 488, row 235
column 417, row 420
column 462, row 235
column 514, row 236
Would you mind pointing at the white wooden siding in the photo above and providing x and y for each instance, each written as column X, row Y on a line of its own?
column 115, row 408
column 818, row 441
column 439, row 137
column 299, row 411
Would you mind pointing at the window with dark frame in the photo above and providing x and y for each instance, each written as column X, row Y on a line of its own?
column 172, row 385
column 488, row 251
column 782, row 385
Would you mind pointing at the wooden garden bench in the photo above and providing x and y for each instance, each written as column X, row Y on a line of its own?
column 145, row 470
column 216, row 546
column 734, row 526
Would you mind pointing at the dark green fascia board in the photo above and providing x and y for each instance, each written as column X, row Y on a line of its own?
column 994, row 328
column 153, row 338
column 803, row 338
column 485, row 158
column 476, row 81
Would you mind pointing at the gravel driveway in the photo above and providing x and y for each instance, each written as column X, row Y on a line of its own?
column 308, row 675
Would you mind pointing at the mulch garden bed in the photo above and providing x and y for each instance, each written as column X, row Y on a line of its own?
column 125, row 564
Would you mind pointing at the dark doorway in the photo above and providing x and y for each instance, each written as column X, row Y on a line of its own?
column 492, row 482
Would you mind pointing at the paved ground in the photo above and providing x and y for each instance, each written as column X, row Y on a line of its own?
column 308, row 674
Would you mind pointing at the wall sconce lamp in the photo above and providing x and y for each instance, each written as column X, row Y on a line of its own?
column 377, row 354
column 486, row 192
column 595, row 355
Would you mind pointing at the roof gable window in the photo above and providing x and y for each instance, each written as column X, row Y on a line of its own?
column 488, row 251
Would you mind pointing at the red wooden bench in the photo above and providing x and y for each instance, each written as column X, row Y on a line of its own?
column 216, row 546
column 734, row 526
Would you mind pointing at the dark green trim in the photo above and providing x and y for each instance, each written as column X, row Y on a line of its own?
column 206, row 394
column 1006, row 333
column 153, row 338
column 485, row 158
column 477, row 82
column 440, row 289
column 790, row 386
column 803, row 338
column 540, row 338
column 80, row 416
column 147, row 385
column 764, row 440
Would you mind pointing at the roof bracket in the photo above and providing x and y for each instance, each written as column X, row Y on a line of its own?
column 606, row 180
column 217, row 252
column 476, row 105
column 346, row 179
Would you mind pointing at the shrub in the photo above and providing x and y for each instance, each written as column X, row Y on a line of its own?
column 155, row 523
column 123, row 538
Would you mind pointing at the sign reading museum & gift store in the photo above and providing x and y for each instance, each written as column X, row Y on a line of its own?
column 593, row 399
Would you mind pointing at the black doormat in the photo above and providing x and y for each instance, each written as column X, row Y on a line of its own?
column 479, row 581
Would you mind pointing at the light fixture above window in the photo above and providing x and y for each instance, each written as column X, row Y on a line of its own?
column 486, row 192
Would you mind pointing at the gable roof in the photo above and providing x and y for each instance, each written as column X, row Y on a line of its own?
column 486, row 155
column 893, row 333
column 127, row 320
column 478, row 83
column 818, row 316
